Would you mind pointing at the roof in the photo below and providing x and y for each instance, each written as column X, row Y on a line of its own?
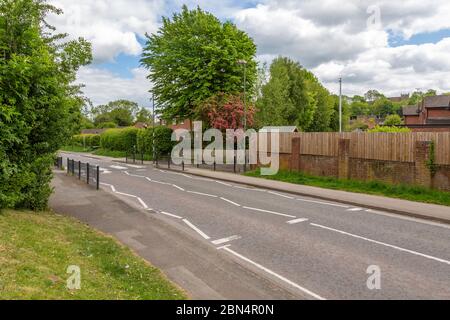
column 410, row 111
column 286, row 129
column 442, row 101
column 438, row 121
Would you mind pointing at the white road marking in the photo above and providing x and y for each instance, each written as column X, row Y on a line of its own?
column 250, row 189
column 223, row 183
column 417, row 220
column 108, row 185
column 223, row 247
column 159, row 182
column 200, row 232
column 126, row 194
column 280, row 195
column 297, row 221
column 291, row 283
column 142, row 203
column 179, row 188
column 134, row 175
column 225, row 240
column 324, row 203
column 271, row 212
column 171, row 215
column 383, row 244
column 232, row 202
column 355, row 209
column 118, row 167
column 135, row 166
column 203, row 194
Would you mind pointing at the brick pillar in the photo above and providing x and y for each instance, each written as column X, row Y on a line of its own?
column 344, row 159
column 421, row 171
column 295, row 154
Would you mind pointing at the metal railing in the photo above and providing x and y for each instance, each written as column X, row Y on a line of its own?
column 83, row 171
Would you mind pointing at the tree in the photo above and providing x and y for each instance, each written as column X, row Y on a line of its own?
column 194, row 56
column 373, row 95
column 40, row 108
column 144, row 116
column 224, row 111
column 121, row 112
column 393, row 120
column 384, row 107
column 334, row 123
column 359, row 108
column 418, row 96
column 294, row 96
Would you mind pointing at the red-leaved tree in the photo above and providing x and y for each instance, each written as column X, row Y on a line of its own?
column 224, row 111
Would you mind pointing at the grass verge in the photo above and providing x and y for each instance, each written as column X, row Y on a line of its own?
column 406, row 192
column 110, row 153
column 75, row 149
column 37, row 248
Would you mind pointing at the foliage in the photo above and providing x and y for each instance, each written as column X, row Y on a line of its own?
column 163, row 140
column 431, row 162
column 373, row 95
column 401, row 191
column 384, row 107
column 194, row 56
column 359, row 108
column 107, row 125
column 358, row 125
column 86, row 140
column 36, row 249
column 224, row 111
column 418, row 96
column 120, row 112
column 40, row 108
column 294, row 96
column 334, row 122
column 144, row 116
column 389, row 129
column 119, row 139
column 393, row 120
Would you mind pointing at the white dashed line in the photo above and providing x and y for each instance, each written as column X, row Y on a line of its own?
column 281, row 195
column 179, row 188
column 232, row 202
column 200, row 232
column 203, row 194
column 355, row 209
column 170, row 215
column 142, row 203
column 225, row 240
column 297, row 221
column 383, row 244
column 324, row 203
column 291, row 283
column 271, row 212
column 118, row 167
column 223, row 183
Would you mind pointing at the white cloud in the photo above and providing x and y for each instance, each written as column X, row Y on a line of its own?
column 103, row 86
column 111, row 26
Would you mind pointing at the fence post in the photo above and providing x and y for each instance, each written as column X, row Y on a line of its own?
column 98, row 177
column 234, row 164
column 87, row 173
column 79, row 170
column 182, row 165
column 156, row 160
column 344, row 159
column 168, row 161
column 214, row 165
column 422, row 173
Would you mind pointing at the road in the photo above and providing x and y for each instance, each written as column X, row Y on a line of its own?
column 314, row 249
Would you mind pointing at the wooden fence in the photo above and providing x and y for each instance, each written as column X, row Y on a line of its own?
column 376, row 146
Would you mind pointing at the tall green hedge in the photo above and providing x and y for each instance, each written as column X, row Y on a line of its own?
column 163, row 142
column 86, row 140
column 119, row 139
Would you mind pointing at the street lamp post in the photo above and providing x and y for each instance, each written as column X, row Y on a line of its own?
column 244, row 63
column 153, row 114
column 340, row 104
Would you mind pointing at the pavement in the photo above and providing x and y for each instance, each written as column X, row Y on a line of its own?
column 228, row 239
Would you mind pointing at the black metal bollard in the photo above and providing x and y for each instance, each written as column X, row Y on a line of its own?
column 234, row 164
column 79, row 170
column 98, row 177
column 214, row 165
column 182, row 165
column 87, row 173
column 68, row 168
column 168, row 161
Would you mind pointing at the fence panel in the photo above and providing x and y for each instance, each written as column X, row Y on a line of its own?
column 377, row 146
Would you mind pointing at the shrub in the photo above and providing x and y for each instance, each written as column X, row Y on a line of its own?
column 393, row 120
column 86, row 140
column 107, row 125
column 119, row 139
column 163, row 140
column 389, row 129
column 145, row 141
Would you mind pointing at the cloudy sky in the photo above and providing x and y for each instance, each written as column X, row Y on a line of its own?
column 391, row 46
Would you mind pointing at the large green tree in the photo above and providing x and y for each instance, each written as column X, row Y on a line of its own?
column 193, row 57
column 39, row 106
column 294, row 96
column 121, row 112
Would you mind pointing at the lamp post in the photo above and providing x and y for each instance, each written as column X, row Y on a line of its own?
column 340, row 104
column 154, row 124
column 244, row 63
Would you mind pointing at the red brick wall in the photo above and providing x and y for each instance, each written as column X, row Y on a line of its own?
column 438, row 113
column 412, row 120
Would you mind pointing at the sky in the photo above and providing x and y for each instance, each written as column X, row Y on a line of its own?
column 391, row 46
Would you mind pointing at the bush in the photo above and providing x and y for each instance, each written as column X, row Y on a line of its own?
column 389, row 129
column 119, row 139
column 145, row 141
column 163, row 141
column 86, row 140
column 107, row 125
column 393, row 120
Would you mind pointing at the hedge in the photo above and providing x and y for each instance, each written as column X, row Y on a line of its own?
column 119, row 139
column 163, row 142
column 86, row 140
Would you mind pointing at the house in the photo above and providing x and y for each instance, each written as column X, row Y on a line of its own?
column 402, row 97
column 432, row 114
column 177, row 124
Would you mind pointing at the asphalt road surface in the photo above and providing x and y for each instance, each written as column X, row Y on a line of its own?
column 315, row 249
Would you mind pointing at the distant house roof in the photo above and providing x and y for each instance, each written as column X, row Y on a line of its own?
column 286, row 129
column 442, row 101
column 410, row 111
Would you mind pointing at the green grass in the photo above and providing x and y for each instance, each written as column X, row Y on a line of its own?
column 407, row 192
column 75, row 149
column 110, row 153
column 37, row 248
